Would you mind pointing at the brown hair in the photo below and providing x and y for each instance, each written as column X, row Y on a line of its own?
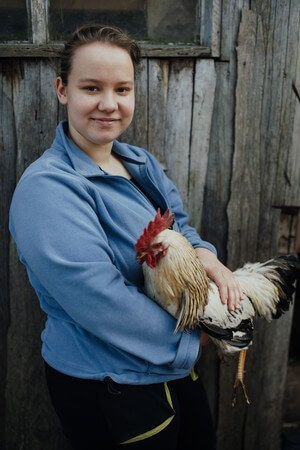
column 89, row 33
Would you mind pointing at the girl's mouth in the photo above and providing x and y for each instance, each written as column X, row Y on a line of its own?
column 106, row 121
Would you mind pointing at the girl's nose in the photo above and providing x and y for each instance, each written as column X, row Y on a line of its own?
column 107, row 102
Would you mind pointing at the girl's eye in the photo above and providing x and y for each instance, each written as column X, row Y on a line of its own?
column 90, row 88
column 123, row 90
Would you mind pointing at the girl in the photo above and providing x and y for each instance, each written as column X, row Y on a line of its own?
column 116, row 373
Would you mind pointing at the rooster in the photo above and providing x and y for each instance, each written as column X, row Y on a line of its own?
column 176, row 279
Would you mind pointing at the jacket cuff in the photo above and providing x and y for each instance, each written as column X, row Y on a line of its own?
column 188, row 350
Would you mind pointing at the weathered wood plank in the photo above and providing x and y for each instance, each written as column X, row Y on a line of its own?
column 288, row 192
column 39, row 21
column 216, row 28
column 47, row 110
column 147, row 50
column 266, row 372
column 274, row 130
column 280, row 20
column 7, row 183
column 243, row 207
column 287, row 185
column 288, row 231
column 251, row 216
column 158, row 96
column 297, row 240
column 203, row 102
column 217, row 187
column 210, row 24
column 137, row 133
column 178, row 124
column 231, row 17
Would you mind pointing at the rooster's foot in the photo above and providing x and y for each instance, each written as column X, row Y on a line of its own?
column 239, row 381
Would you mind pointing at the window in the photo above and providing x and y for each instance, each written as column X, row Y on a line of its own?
column 152, row 20
column 14, row 23
column 164, row 28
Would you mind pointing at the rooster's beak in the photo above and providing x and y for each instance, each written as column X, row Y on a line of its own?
column 140, row 256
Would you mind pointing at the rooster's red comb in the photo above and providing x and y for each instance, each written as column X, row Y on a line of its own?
column 160, row 223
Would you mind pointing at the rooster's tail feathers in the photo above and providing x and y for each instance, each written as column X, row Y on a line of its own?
column 270, row 285
column 288, row 268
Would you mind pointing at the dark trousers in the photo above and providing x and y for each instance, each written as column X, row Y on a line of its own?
column 104, row 415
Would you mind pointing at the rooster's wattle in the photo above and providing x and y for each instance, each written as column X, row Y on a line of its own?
column 176, row 279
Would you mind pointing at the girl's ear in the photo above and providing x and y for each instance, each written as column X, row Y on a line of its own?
column 61, row 91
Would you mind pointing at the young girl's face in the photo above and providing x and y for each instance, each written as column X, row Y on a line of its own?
column 99, row 94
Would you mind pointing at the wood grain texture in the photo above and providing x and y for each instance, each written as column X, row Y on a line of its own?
column 243, row 207
column 39, row 21
column 252, row 218
column 277, row 115
column 147, row 50
column 158, row 89
column 7, row 183
column 288, row 188
column 210, row 24
column 178, row 124
column 203, row 103
column 217, row 187
column 231, row 18
column 137, row 133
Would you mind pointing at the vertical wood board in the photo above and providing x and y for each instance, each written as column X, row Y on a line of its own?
column 157, row 101
column 203, row 102
column 243, row 207
column 287, row 187
column 7, row 183
column 137, row 133
column 39, row 10
column 178, row 124
column 210, row 24
column 231, row 17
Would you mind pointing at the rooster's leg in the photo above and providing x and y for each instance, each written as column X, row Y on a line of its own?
column 239, row 378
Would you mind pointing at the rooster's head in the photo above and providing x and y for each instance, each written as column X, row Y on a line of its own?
column 147, row 250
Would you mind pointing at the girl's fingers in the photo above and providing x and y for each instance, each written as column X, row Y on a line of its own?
column 223, row 290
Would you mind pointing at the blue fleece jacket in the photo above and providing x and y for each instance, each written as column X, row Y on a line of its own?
column 75, row 228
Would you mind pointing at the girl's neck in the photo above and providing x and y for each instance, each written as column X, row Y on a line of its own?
column 100, row 154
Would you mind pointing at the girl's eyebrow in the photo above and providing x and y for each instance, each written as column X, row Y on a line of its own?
column 92, row 80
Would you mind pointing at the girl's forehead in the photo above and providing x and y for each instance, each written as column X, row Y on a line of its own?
column 102, row 57
column 102, row 50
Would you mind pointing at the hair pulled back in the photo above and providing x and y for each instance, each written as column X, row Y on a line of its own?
column 87, row 34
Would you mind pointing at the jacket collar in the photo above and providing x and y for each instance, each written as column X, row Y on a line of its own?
column 82, row 163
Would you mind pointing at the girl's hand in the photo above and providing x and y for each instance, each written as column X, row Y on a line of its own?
column 229, row 288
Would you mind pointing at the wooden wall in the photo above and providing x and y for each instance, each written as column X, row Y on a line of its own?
column 227, row 131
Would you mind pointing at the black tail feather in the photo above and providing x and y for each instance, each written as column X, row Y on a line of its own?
column 289, row 271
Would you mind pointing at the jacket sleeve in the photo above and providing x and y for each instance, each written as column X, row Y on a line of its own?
column 177, row 208
column 59, row 237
